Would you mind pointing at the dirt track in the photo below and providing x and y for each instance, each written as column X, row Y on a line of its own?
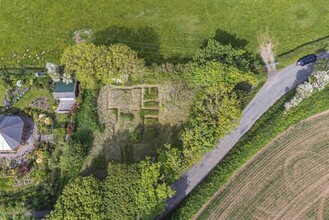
column 288, row 179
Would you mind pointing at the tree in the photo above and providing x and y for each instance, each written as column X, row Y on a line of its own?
column 120, row 188
column 170, row 159
column 80, row 199
column 215, row 113
column 226, row 54
column 216, row 74
column 84, row 60
column 123, row 63
column 153, row 191
column 72, row 158
column 94, row 65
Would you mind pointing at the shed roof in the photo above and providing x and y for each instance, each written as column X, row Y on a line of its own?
column 63, row 87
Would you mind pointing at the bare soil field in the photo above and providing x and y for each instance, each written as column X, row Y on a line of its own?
column 288, row 179
column 139, row 119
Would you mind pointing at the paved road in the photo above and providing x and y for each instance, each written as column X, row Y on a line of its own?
column 276, row 86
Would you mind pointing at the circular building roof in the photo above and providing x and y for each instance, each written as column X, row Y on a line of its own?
column 11, row 132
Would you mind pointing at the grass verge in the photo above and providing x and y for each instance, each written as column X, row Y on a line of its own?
column 272, row 123
column 315, row 46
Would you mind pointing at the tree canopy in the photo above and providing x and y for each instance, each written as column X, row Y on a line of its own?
column 94, row 65
column 120, row 188
column 227, row 54
column 80, row 199
column 217, row 74
column 153, row 191
column 215, row 113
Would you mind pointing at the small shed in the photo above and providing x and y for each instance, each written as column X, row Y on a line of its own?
column 65, row 95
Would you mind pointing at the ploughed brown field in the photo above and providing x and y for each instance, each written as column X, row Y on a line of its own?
column 288, row 179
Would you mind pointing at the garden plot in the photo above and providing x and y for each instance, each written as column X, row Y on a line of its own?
column 137, row 121
column 287, row 180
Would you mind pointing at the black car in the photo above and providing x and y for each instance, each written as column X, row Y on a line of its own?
column 307, row 59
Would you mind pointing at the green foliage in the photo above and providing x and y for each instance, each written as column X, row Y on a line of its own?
column 151, row 104
column 272, row 123
column 213, row 115
column 80, row 199
column 120, row 188
column 151, row 93
column 144, row 112
column 226, row 54
column 93, row 65
column 322, row 65
column 99, row 163
column 72, row 158
column 151, row 121
column 153, row 191
column 6, row 184
column 128, row 116
column 87, row 118
column 171, row 160
column 220, row 75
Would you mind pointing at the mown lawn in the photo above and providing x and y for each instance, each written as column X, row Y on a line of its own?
column 31, row 96
column 34, row 32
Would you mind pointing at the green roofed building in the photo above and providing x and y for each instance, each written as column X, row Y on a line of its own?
column 65, row 94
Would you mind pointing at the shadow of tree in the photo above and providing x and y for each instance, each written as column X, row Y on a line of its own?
column 143, row 40
column 227, row 38
column 132, row 146
column 302, row 76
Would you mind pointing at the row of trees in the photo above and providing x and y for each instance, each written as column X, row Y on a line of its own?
column 128, row 192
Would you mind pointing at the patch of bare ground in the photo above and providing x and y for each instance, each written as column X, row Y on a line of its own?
column 288, row 179
column 139, row 119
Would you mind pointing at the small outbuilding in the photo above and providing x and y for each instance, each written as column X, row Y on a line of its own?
column 65, row 95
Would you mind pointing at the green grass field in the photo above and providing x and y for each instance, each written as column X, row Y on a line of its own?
column 34, row 32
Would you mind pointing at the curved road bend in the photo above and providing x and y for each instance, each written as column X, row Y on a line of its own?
column 276, row 86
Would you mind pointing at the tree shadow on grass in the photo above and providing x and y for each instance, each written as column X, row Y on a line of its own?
column 132, row 146
column 227, row 38
column 143, row 40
